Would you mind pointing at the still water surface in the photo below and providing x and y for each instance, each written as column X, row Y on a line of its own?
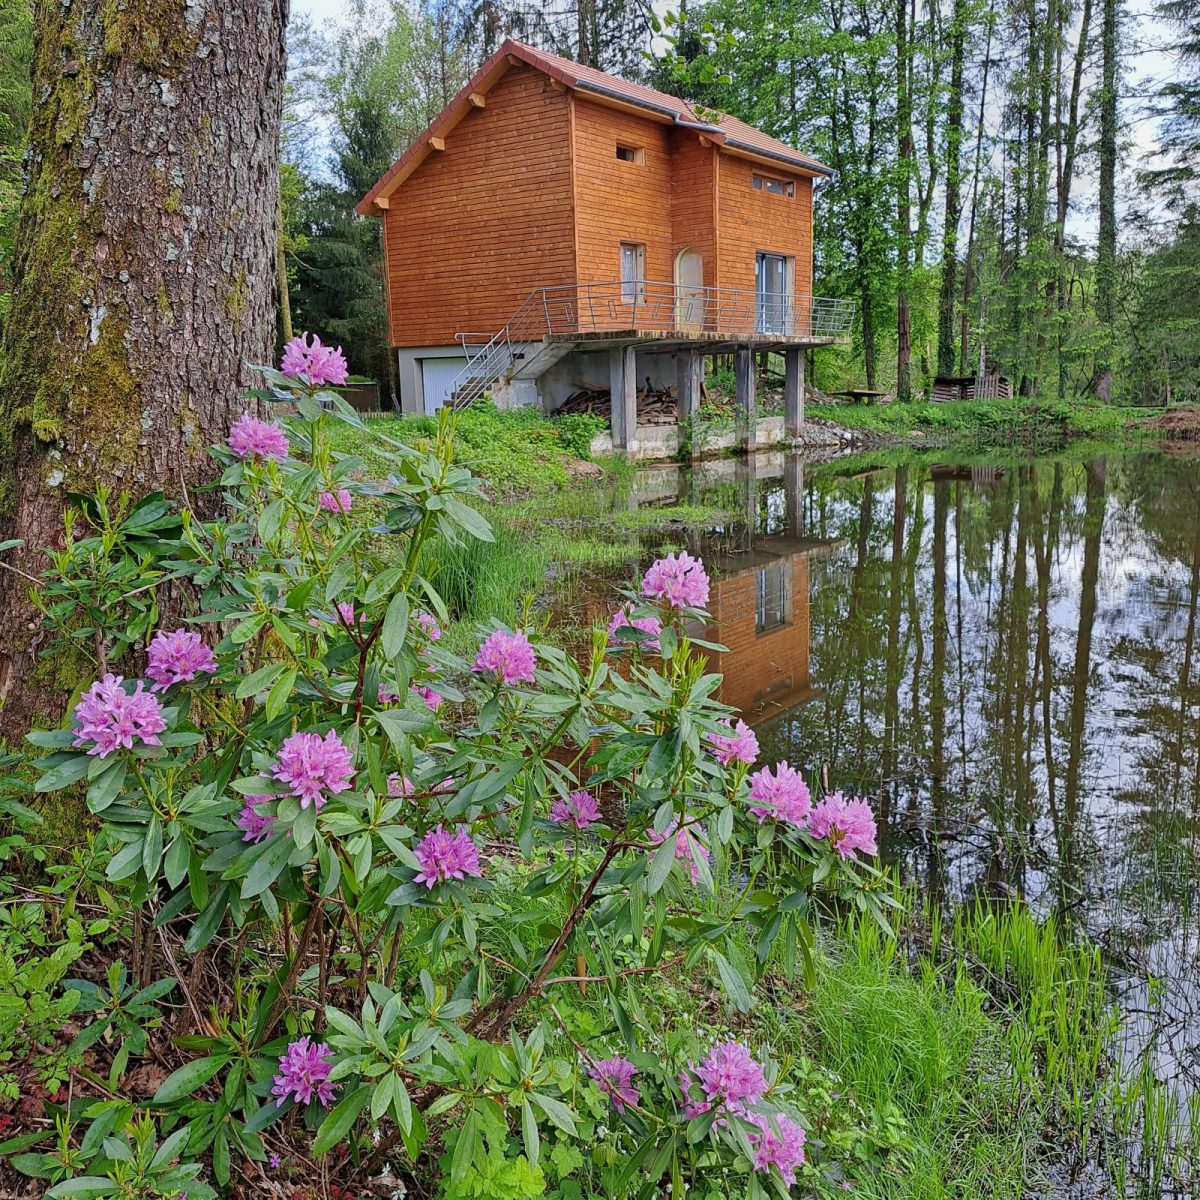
column 1003, row 657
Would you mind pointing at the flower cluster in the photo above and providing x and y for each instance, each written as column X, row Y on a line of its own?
column 729, row 1077
column 578, row 810
column 680, row 581
column 313, row 765
column 849, row 825
column 254, row 823
column 739, row 746
column 783, row 1150
column 109, row 717
column 336, row 502
column 444, row 856
column 304, row 1070
column 615, row 1077
column 687, row 847
column 782, row 796
column 509, row 656
column 623, row 619
column 429, row 626
column 251, row 437
column 432, row 700
column 178, row 657
column 305, row 358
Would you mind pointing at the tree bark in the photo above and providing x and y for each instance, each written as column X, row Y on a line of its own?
column 904, row 167
column 145, row 266
column 954, row 131
column 1106, row 259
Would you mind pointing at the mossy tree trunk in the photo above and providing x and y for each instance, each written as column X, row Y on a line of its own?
column 144, row 266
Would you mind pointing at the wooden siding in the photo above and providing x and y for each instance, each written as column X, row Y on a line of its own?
column 693, row 210
column 482, row 223
column 750, row 220
column 618, row 201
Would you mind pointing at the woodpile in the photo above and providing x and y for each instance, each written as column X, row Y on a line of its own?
column 655, row 406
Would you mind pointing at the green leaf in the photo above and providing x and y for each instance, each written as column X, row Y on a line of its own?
column 465, row 516
column 82, row 1185
column 188, row 1078
column 267, row 866
column 556, row 1110
column 106, row 787
column 529, row 1132
column 64, row 774
column 382, row 584
column 395, row 625
column 660, row 866
column 732, row 982
column 208, row 922
column 280, row 693
column 340, row 1119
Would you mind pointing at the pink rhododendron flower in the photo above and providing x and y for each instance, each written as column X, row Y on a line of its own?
column 255, row 823
column 444, row 855
column 386, row 697
column 336, row 502
column 400, row 787
column 251, row 437
column 508, row 655
column 622, row 619
column 729, row 1077
column 429, row 626
column 348, row 616
column 680, row 581
column 432, row 700
column 178, row 657
column 314, row 765
column 784, row 1150
column 305, row 358
column 741, row 745
column 304, row 1073
column 848, row 824
column 783, row 796
column 687, row 847
column 109, row 717
column 579, row 810
column 615, row 1077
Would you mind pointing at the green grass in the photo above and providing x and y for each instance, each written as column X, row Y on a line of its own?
column 1023, row 422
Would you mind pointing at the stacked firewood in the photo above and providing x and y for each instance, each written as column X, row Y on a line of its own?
column 655, row 406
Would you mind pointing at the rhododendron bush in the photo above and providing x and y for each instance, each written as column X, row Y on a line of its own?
column 325, row 818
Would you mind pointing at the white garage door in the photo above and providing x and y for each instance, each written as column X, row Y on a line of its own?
column 437, row 377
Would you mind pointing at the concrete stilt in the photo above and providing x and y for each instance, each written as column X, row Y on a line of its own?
column 622, row 384
column 793, row 491
column 743, row 373
column 691, row 373
column 793, row 391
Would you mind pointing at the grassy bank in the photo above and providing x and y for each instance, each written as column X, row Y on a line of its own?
column 1021, row 422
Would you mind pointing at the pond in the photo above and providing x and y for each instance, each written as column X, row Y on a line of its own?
column 1002, row 655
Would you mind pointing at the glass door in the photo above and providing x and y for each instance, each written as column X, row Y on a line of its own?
column 771, row 293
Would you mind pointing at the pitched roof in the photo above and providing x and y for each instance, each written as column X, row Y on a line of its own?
column 728, row 131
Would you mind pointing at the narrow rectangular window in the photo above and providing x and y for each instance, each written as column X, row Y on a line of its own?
column 776, row 187
column 773, row 597
column 633, row 273
column 631, row 154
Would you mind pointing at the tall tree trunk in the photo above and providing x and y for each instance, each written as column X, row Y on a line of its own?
column 954, row 129
column 904, row 169
column 1106, row 259
column 145, row 265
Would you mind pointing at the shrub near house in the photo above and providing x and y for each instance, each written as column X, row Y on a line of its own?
column 389, row 891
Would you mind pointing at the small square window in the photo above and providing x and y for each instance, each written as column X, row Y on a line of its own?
column 631, row 154
column 776, row 187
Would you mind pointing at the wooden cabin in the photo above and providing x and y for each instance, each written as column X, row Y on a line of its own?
column 557, row 228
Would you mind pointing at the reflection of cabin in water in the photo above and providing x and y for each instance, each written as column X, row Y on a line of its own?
column 977, row 474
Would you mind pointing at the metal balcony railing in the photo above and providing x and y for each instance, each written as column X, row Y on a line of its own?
column 644, row 306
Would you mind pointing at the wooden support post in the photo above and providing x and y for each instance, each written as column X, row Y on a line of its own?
column 747, row 417
column 793, row 391
column 622, row 386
